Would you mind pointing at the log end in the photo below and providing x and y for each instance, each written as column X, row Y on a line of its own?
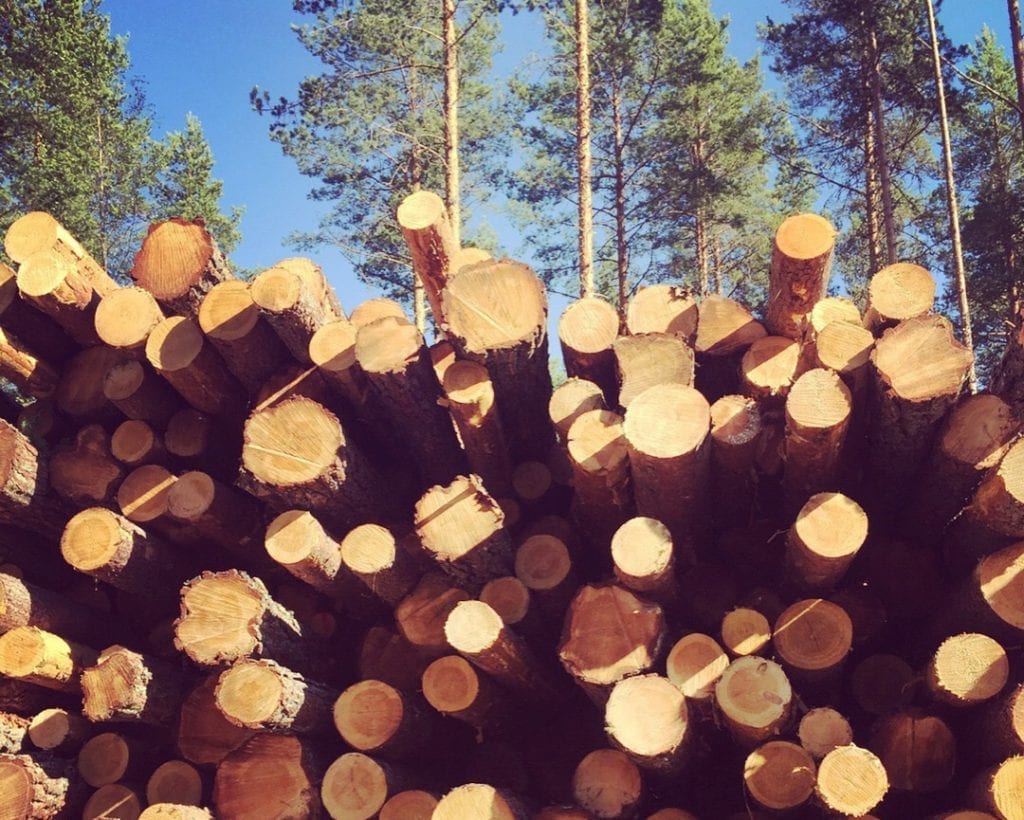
column 172, row 258
column 228, row 312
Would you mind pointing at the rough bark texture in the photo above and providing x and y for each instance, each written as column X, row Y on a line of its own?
column 264, row 696
column 39, row 786
column 798, row 277
column 126, row 686
column 34, row 328
column 23, row 603
column 22, row 367
column 432, row 242
column 52, row 285
column 24, row 500
column 290, row 308
column 84, row 471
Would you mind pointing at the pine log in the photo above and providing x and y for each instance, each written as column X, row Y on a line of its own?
column 513, row 601
column 851, row 781
column 545, row 567
column 829, row 531
column 896, row 293
column 725, row 327
column 609, row 634
column 267, row 697
column 966, row 670
column 694, row 665
column 643, row 558
column 298, row 542
column 845, row 348
column 290, row 308
column 33, row 327
column 291, row 381
column 991, row 599
column 216, row 513
column 996, row 731
column 454, row 688
column 755, row 700
column 204, row 736
column 571, row 399
column 462, row 528
column 372, row 309
column 356, row 787
column 666, row 430
column 812, row 639
column 917, row 750
column 278, row 772
column 480, row 800
column 52, row 285
column 470, row 399
column 387, row 656
column 312, row 276
column 736, row 424
column 178, row 351
column 745, row 631
column 135, row 390
column 823, row 729
column 59, row 731
column 422, row 614
column 24, row 501
column 39, row 231
column 531, row 481
column 608, row 784
column 374, row 717
column 642, row 361
column 663, row 309
column 34, row 655
column 175, row 782
column 113, row 799
column 333, row 350
column 394, row 358
column 998, row 788
column 231, row 321
column 587, row 331
column 1007, row 380
column 376, row 558
column 423, row 218
column 832, row 309
column 21, row 366
column 769, row 367
column 195, row 438
column 39, row 787
column 85, row 472
column 882, row 683
column 228, row 616
column 13, row 731
column 779, row 775
column 129, row 687
column 496, row 314
column 80, row 392
column 411, row 804
column 135, row 443
column 599, row 455
column 23, row 603
column 125, row 317
column 799, row 273
column 647, row 718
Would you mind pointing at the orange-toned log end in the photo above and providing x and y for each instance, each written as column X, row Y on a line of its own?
column 779, row 775
column 755, row 698
column 142, row 495
column 373, row 309
column 999, row 577
column 355, row 787
column 647, row 717
column 967, row 669
column 813, row 636
column 829, row 531
column 175, row 782
column 104, row 758
column 204, row 736
column 85, row 472
column 608, row 784
column 34, row 655
column 725, row 327
column 412, row 804
column 897, row 292
column 851, row 781
column 798, row 277
column 571, row 399
column 58, row 730
column 125, row 317
column 823, row 729
column 833, row 309
column 135, row 443
column 268, row 770
column 745, row 631
column 509, row 597
column 177, row 257
column 694, row 664
column 844, row 347
column 369, row 714
column 769, row 367
column 663, row 309
column 543, row 562
column 451, row 685
column 917, row 750
column 113, row 800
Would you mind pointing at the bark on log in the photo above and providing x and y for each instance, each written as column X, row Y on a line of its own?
column 33, row 327
column 823, row 729
column 600, row 458
column 966, row 670
column 135, row 390
column 298, row 542
column 755, row 700
column 647, row 718
column 779, row 775
column 571, row 399
column 177, row 783
column 608, row 784
column 281, row 771
column 376, row 718
column 421, row 615
column 423, row 218
column 13, row 732
column 799, row 273
column 917, row 750
column 126, row 686
column 997, row 789
column 663, row 309
column 24, row 500
column 135, row 443
column 333, row 350
column 33, row 655
column 204, row 736
column 52, row 284
column 694, row 665
column 735, row 437
column 454, row 688
column 290, row 308
column 85, row 472
column 829, row 531
column 125, row 318
column 769, row 367
column 39, row 786
column 80, row 393
column 643, row 558
column 643, row 361
column 851, row 781
column 266, row 697
column 373, row 555
column 896, row 293
column 39, row 231
column 217, row 514
column 21, row 366
column 179, row 263
column 470, row 398
column 587, row 331
column 23, row 603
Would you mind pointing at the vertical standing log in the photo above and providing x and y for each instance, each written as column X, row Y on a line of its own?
column 798, row 277
column 603, row 492
column 663, row 309
column 39, row 231
column 423, row 219
column 587, row 330
column 896, row 293
column 33, row 327
column 643, row 558
column 470, row 395
column 290, row 308
column 53, row 285
column 643, row 361
column 125, row 318
column 769, row 367
column 571, row 399
column 735, row 436
column 829, row 531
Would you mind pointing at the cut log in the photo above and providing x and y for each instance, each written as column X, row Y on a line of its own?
column 290, row 308
column 139, row 393
column 175, row 782
column 454, row 688
column 333, row 350
column 480, row 800
column 725, row 327
column 512, row 600
column 882, row 684
column 34, row 328
column 966, row 670
column 643, row 558
column 736, row 424
column 291, row 381
column 267, row 697
column 385, row 655
column 376, row 718
column 113, row 799
column 991, row 599
column 411, row 804
column 609, row 635
column 769, row 367
column 59, row 731
column 779, row 775
column 422, row 614
column 80, row 393
column 27, row 371
column 745, row 631
column 356, row 787
column 278, row 771
column 832, row 309
column 298, row 542
column 845, row 348
column 23, row 603
column 204, row 735
column 666, row 431
column 896, row 293
column 178, row 351
column 587, row 331
column 642, row 361
column 812, row 639
column 373, row 309
column 394, row 358
column 647, row 718
column 531, row 481
column 39, row 787
column 216, row 513
column 829, row 531
column 571, row 399
column 231, row 321
column 470, row 396
column 312, row 276
column 34, row 655
column 997, row 729
column 52, row 284
column 374, row 556
column 85, row 472
column 851, row 781
column 694, row 665
column 423, row 218
column 755, row 700
column 917, row 750
column 13, row 732
column 608, row 784
column 125, row 317
column 496, row 314
column 823, row 729
column 135, row 443
column 24, row 501
column 663, row 309
column 464, row 257
column 545, row 567
column 603, row 492
column 799, row 273
column 129, row 687
column 997, row 789
column 39, row 231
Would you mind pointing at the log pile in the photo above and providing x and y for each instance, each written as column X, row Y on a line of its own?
column 262, row 558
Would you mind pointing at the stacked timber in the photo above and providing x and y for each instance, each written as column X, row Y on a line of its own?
column 262, row 558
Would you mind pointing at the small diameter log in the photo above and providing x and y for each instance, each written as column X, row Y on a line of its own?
column 587, row 331
column 278, row 771
column 470, row 398
column 832, row 309
column 920, row 369
column 267, row 697
column 395, row 360
column 298, row 542
column 174, row 811
column 917, row 750
column 412, row 804
column 545, row 567
column 232, row 322
column 113, row 799
column 290, row 308
column 496, row 314
column 228, row 616
column 216, row 513
column 998, row 789
column 24, row 604
column 769, row 367
column 812, row 638
column 745, row 631
column 755, row 700
column 376, row 558
column 128, row 687
column 608, row 784
column 333, row 350
column 694, row 665
column 647, row 718
column 666, row 430
column 374, row 717
column 356, row 787
column 480, row 800
column 603, row 493
column 142, row 498
column 52, row 285
column 818, row 412
column 829, row 531
column 423, row 218
column 649, row 359
column 204, row 735
column 13, row 731
column 39, row 787
column 125, row 317
column 27, row 371
column 293, row 380
column 571, row 399
column 735, row 436
column 80, row 393
column 779, row 775
column 179, row 352
column 609, row 635
column 799, row 273
column 312, row 276
column 845, row 348
column 175, row 782
column 296, row 454
column 34, row 328
column 461, row 527
column 422, row 614
column 34, row 655
column 513, row 601
column 725, row 327
column 39, row 231
column 476, row 632
column 966, row 670
column 454, row 688
column 643, row 559
column 663, row 309
column 851, row 781
column 991, row 599
column 823, row 729
column 898, row 292
column 85, row 472
column 59, row 731
column 139, row 393
column 179, row 263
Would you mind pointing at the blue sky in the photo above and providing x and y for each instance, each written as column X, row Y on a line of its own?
column 204, row 56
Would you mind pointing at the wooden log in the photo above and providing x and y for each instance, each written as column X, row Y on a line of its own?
column 113, row 798
column 666, row 430
column 736, row 424
column 571, row 399
column 125, row 317
column 298, row 542
column 631, row 630
column 291, row 381
column 768, row 368
column 135, row 443
column 966, row 670
column 216, row 513
column 142, row 498
column 139, row 393
column 39, row 231
column 231, row 321
column 531, row 482
column 643, row 558
column 386, row 655
column 356, row 787
column 228, row 616
column 442, row 356
column 374, row 717
column 991, row 599
column 24, row 501
column 127, row 686
column 603, row 492
column 799, row 273
column 375, row 557
column 312, row 276
column 38, row 786
column 812, row 638
column 755, row 700
column 59, row 731
column 394, row 358
column 642, row 361
column 823, row 729
column 608, row 784
column 422, row 614
column 174, row 811
column 461, row 527
column 266, row 697
column 587, row 331
column 514, row 603
column 175, row 782
column 52, row 285
column 33, row 327
column 178, row 351
column 23, row 603
column 829, row 531
column 779, row 775
column 333, row 350
column 997, row 729
column 290, row 308
column 846, row 348
column 34, row 655
column 496, row 314
column 279, row 771
column 454, row 688
column 21, row 366
column 85, row 472
column 411, row 804
column 725, row 327
column 663, row 309
column 80, row 392
column 423, row 219
column 204, row 736
column 851, row 781
column 480, row 800
column 694, row 665
column 882, row 683
column 647, row 718
column 832, row 309
column 470, row 398
column 13, row 732
column 997, row 789
column 545, row 567
column 372, row 309
column 745, row 631
column 917, row 750
column 896, row 293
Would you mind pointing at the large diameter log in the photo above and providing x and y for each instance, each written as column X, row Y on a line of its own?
column 130, row 687
column 991, row 599
column 33, row 327
column 917, row 750
column 812, row 638
column 603, row 492
column 278, row 771
column 587, row 331
column 851, row 781
column 663, row 309
column 470, row 396
column 179, row 263
column 34, row 655
column 496, row 314
column 267, row 697
column 38, row 786
column 898, row 292
column 84, row 471
column 135, row 390
column 394, row 358
column 966, row 670
column 125, row 318
column 608, row 784
column 204, row 736
column 642, row 361
column 423, row 218
column 779, row 775
column 27, row 371
column 39, row 231
column 666, row 430
column 24, row 501
column 755, row 700
column 829, row 531
column 80, row 392
column 216, row 513
column 799, row 272
column 646, row 717
column 24, row 604
column 725, row 327
column 53, row 285
column 769, row 367
column 290, row 308
column 571, row 399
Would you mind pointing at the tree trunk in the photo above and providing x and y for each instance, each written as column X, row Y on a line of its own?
column 1017, row 44
column 451, row 120
column 875, row 79
column 871, row 193
column 621, row 249
column 586, row 213
column 702, row 254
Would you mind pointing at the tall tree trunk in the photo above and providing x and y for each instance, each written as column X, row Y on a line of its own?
column 419, row 300
column 700, row 234
column 621, row 250
column 881, row 154
column 716, row 262
column 954, row 210
column 871, row 193
column 451, row 120
column 102, row 166
column 586, row 214
column 1017, row 43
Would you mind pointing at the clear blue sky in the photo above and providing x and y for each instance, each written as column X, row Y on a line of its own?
column 204, row 56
